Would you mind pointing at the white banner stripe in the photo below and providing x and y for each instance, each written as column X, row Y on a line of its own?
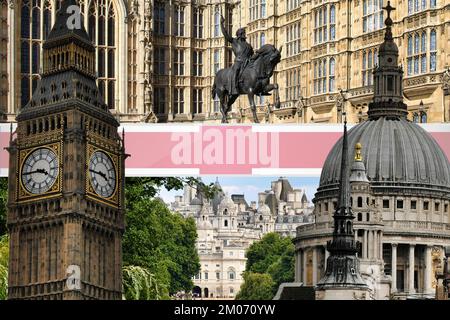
column 161, row 172
column 303, row 172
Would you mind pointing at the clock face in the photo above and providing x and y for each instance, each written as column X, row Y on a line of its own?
column 40, row 170
column 103, row 174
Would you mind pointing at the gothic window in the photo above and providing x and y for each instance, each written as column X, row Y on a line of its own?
column 198, row 23
column 178, row 100
column 423, row 52
column 332, row 22
column 198, row 101
column 369, row 61
column 217, row 23
column 198, row 63
column 216, row 105
column 433, row 50
column 293, row 39
column 263, row 9
column 415, row 6
column 101, row 28
column 159, row 100
column 178, row 63
column 372, row 15
column 179, row 21
column 293, row 84
column 262, row 39
column 331, row 77
column 321, row 69
column 225, row 223
column 253, row 9
column 35, row 16
column 216, row 61
column 417, row 54
column 159, row 18
column 324, row 24
column 292, row 4
column 159, row 60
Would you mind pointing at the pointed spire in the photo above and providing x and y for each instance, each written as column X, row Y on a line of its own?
column 344, row 188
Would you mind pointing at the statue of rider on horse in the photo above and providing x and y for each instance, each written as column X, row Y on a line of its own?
column 250, row 73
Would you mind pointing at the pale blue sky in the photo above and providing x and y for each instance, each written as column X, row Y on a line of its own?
column 250, row 186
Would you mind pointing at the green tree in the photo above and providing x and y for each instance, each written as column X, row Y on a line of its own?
column 4, row 253
column 273, row 255
column 157, row 239
column 256, row 286
column 140, row 284
column 3, row 203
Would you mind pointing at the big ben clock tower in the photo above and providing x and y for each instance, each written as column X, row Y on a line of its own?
column 66, row 179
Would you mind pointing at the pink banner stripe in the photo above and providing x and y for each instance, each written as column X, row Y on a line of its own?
column 216, row 150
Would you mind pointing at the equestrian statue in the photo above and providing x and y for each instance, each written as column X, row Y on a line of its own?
column 250, row 73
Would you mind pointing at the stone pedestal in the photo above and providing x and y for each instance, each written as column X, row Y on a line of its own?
column 344, row 293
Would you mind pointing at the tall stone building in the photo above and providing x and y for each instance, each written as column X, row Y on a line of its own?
column 156, row 59
column 399, row 188
column 228, row 225
column 66, row 180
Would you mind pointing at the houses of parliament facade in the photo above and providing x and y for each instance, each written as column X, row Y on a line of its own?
column 156, row 60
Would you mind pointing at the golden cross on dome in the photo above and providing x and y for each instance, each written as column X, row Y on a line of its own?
column 389, row 8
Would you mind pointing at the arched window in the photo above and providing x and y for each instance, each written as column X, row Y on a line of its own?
column 368, row 216
column 360, row 202
column 359, row 216
column 324, row 75
column 225, row 223
column 433, row 50
column 263, row 9
column 36, row 23
column 415, row 117
column 332, row 22
column 35, row 16
column 262, row 39
column 217, row 22
column 102, row 32
column 331, row 78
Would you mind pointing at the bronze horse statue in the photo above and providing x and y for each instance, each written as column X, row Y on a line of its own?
column 254, row 80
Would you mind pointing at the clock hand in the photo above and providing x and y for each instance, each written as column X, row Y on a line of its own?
column 36, row 171
column 100, row 173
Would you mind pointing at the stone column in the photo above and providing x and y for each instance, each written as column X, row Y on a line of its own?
column 428, row 266
column 394, row 268
column 314, row 265
column 305, row 258
column 411, row 269
column 370, row 244
column 364, row 245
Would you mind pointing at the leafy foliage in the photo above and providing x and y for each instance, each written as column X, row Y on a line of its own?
column 140, row 284
column 256, row 286
column 3, row 203
column 4, row 252
column 273, row 255
column 157, row 239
